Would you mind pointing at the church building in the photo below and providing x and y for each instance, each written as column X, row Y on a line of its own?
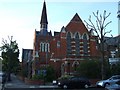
column 66, row 49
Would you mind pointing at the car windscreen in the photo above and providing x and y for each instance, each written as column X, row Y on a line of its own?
column 116, row 77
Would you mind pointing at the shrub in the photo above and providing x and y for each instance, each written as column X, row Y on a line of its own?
column 46, row 73
column 50, row 74
column 64, row 77
column 37, row 77
column 115, row 69
column 90, row 69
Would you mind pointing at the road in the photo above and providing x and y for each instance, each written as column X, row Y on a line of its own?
column 51, row 89
column 17, row 84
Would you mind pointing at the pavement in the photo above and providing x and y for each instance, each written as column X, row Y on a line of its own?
column 17, row 83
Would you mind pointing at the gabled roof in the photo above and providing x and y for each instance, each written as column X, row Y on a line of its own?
column 63, row 29
column 76, row 18
column 76, row 25
column 44, row 14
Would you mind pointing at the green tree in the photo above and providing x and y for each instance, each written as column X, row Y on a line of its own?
column 10, row 54
column 90, row 69
column 115, row 69
column 50, row 74
column 46, row 73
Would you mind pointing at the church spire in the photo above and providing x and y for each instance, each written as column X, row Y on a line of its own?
column 44, row 14
column 44, row 22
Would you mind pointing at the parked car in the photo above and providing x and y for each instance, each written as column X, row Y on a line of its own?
column 55, row 82
column 115, row 86
column 110, row 81
column 74, row 82
column 2, row 77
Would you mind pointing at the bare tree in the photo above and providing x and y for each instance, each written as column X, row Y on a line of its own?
column 99, row 27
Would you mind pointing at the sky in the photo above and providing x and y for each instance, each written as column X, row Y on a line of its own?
column 20, row 18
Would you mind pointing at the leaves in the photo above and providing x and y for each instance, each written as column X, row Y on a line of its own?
column 90, row 69
column 10, row 54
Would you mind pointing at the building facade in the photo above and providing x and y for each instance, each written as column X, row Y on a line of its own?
column 113, row 44
column 66, row 49
column 113, row 49
column 27, row 57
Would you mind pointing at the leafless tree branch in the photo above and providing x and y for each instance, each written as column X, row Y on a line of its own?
column 107, row 24
column 107, row 32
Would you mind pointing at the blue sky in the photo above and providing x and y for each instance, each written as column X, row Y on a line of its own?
column 20, row 18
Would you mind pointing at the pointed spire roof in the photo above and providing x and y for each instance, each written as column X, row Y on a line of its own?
column 50, row 33
column 63, row 29
column 76, row 18
column 44, row 14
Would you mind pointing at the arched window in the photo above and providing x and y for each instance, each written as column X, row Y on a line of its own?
column 77, row 44
column 47, row 47
column 44, row 47
column 75, row 65
column 41, row 47
column 68, row 43
column 85, row 45
column 58, row 44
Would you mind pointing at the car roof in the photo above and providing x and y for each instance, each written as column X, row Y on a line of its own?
column 79, row 77
column 116, row 76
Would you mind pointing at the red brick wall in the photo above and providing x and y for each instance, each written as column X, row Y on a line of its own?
column 60, row 53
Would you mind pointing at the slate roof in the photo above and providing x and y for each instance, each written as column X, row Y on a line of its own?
column 113, row 40
column 44, row 14
column 39, row 33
